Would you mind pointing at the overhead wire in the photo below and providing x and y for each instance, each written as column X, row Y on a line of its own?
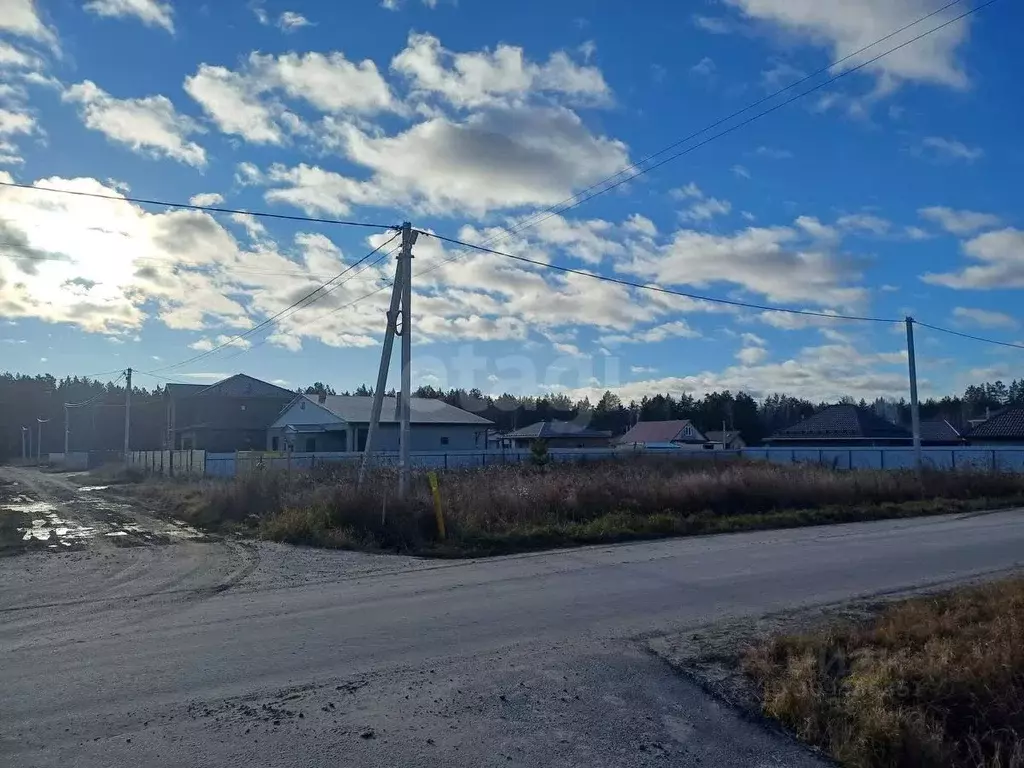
column 970, row 336
column 194, row 207
column 92, row 400
column 580, row 199
column 660, row 289
column 305, row 301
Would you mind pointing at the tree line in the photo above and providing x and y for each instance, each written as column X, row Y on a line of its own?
column 99, row 425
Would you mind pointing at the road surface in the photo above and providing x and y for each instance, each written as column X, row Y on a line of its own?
column 190, row 652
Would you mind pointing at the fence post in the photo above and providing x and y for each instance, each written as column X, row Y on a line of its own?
column 952, row 455
column 792, row 456
column 881, row 458
column 821, row 457
column 446, row 461
column 993, row 460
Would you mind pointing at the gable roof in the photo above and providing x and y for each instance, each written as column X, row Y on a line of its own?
column 239, row 385
column 1007, row 424
column 718, row 437
column 545, row 430
column 356, row 409
column 843, row 422
column 662, row 432
column 939, row 431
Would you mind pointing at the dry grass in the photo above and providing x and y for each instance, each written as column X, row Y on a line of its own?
column 931, row 681
column 507, row 509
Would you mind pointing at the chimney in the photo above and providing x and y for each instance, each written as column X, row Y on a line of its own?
column 322, row 398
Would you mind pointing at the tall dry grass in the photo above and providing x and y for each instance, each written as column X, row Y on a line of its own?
column 933, row 681
column 521, row 507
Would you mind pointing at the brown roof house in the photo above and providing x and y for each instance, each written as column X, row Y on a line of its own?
column 664, row 434
column 1005, row 427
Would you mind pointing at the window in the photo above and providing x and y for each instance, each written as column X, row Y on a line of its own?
column 310, row 445
column 444, row 441
column 274, row 443
column 687, row 431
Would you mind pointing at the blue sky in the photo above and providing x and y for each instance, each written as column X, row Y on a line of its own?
column 891, row 192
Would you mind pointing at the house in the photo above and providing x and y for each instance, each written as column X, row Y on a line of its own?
column 664, row 434
column 848, row 426
column 1004, row 427
column 231, row 415
column 311, row 423
column 559, row 434
column 730, row 440
column 940, row 432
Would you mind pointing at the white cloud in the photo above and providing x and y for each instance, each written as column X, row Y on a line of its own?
column 147, row 125
column 206, row 344
column 1001, row 254
column 706, row 209
column 714, row 25
column 234, row 104
column 500, row 77
column 985, row 318
column 752, row 355
column 938, row 148
column 638, row 369
column 21, row 17
column 776, row 262
column 641, row 225
column 753, row 340
column 816, row 229
column 207, row 199
column 704, row 68
column 153, row 13
column 741, row 171
column 773, row 153
column 15, row 57
column 916, row 233
column 845, row 27
column 959, row 222
column 677, row 329
column 15, row 122
column 865, row 222
column 498, row 158
column 289, row 21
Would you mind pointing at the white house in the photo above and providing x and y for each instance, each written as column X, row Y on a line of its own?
column 312, row 423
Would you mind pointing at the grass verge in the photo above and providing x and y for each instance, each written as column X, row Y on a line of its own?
column 928, row 681
column 512, row 509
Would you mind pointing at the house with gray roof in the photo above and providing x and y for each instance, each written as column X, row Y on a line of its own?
column 559, row 434
column 316, row 423
column 850, row 426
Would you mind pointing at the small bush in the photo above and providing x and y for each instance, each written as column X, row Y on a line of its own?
column 933, row 681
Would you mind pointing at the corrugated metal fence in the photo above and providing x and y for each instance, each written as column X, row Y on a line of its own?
column 169, row 463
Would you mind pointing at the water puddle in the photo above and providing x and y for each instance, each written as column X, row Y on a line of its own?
column 88, row 488
column 47, row 525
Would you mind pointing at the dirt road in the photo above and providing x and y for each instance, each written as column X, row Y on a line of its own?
column 195, row 652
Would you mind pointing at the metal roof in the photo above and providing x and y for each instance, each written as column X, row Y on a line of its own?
column 662, row 432
column 545, row 430
column 356, row 409
column 939, row 431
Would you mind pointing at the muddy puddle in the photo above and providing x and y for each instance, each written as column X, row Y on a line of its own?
column 30, row 524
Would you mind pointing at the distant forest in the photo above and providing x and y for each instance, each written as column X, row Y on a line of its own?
column 100, row 425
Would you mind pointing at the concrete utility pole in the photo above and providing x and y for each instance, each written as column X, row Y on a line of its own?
column 401, row 294
column 127, row 414
column 915, row 413
column 67, row 432
column 39, row 441
column 405, row 436
column 24, row 456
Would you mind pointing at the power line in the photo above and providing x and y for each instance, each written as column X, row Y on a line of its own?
column 578, row 200
column 558, row 207
column 191, row 207
column 305, row 301
column 659, row 289
column 92, row 400
column 951, row 332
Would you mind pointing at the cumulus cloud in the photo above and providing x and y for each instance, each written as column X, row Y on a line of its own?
column 498, row 77
column 985, row 318
column 234, row 104
column 1001, row 257
column 845, row 27
column 947, row 150
column 147, row 125
column 207, row 199
column 499, row 158
column 959, row 222
column 289, row 21
column 153, row 13
column 21, row 18
column 15, row 122
column 777, row 262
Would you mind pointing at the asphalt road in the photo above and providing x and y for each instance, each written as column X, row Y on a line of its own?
column 210, row 653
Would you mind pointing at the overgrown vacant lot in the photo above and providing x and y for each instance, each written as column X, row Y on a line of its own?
column 507, row 509
column 931, row 681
